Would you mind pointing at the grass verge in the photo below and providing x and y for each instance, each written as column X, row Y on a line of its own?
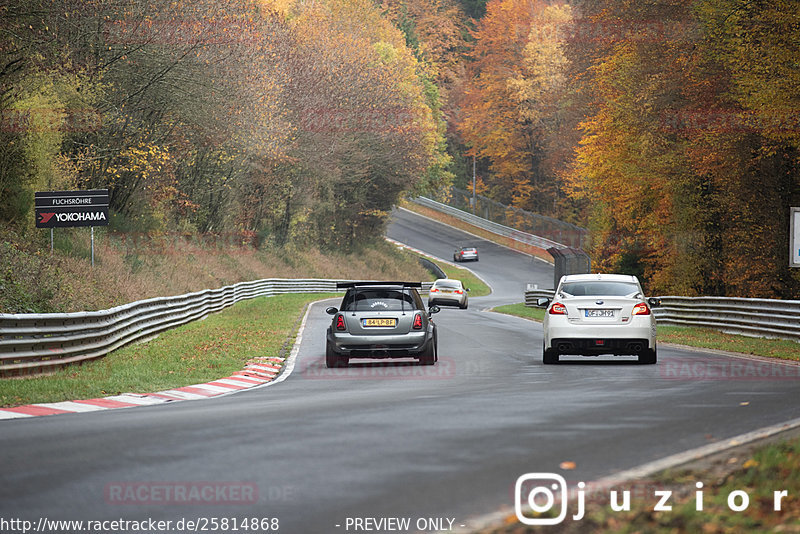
column 520, row 310
column 757, row 471
column 477, row 288
column 199, row 352
column 131, row 267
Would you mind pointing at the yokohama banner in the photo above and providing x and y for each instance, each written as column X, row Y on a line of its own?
column 59, row 209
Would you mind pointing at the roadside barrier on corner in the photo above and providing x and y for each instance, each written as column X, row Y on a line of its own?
column 480, row 222
column 32, row 343
column 519, row 219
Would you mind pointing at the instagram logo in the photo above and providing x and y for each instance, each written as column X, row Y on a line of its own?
column 539, row 491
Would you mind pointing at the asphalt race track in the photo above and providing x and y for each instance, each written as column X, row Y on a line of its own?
column 396, row 440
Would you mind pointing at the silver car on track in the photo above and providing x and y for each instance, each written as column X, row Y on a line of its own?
column 448, row 291
column 381, row 320
column 465, row 254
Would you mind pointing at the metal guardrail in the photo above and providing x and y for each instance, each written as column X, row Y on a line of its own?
column 432, row 268
column 531, row 295
column 750, row 317
column 35, row 343
column 494, row 227
column 526, row 221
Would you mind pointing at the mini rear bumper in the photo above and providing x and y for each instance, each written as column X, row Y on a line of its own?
column 391, row 346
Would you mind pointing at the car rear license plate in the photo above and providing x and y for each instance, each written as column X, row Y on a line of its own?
column 599, row 313
column 379, row 322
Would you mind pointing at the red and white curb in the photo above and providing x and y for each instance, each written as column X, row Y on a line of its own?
column 257, row 372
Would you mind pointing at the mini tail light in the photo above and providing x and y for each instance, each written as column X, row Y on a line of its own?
column 460, row 292
column 340, row 323
column 434, row 290
column 557, row 309
column 417, row 322
column 641, row 309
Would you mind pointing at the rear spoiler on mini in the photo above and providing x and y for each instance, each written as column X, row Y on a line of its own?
column 347, row 285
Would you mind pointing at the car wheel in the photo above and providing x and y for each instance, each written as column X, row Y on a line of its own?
column 428, row 356
column 648, row 357
column 463, row 306
column 549, row 356
column 332, row 359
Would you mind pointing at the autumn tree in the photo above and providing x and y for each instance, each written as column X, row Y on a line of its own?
column 687, row 171
column 511, row 104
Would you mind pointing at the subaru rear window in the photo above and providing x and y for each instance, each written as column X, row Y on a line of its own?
column 599, row 289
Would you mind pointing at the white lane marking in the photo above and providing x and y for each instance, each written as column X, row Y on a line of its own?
column 264, row 368
column 70, row 406
column 288, row 366
column 212, row 389
column 232, row 382
column 132, row 398
column 13, row 415
column 182, row 395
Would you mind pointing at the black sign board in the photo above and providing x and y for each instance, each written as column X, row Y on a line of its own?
column 60, row 209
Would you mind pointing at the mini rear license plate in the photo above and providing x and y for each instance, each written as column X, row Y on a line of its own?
column 599, row 313
column 379, row 322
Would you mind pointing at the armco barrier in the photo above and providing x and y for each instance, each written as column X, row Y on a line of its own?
column 35, row 343
column 493, row 227
column 752, row 317
column 526, row 221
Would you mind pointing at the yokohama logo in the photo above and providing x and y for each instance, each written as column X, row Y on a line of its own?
column 75, row 217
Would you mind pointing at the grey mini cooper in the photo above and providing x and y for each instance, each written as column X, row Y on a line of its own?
column 381, row 320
